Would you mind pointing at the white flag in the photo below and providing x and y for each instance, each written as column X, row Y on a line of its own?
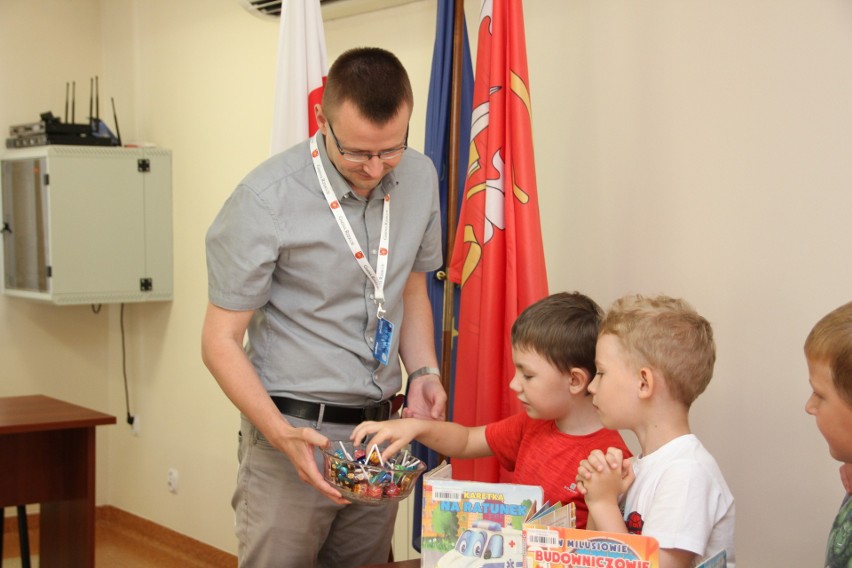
column 301, row 73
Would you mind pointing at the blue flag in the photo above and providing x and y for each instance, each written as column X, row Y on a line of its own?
column 438, row 149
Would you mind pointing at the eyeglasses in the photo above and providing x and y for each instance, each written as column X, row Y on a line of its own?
column 361, row 157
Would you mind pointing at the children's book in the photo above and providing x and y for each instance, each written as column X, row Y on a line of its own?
column 474, row 524
column 718, row 560
column 557, row 515
column 554, row 546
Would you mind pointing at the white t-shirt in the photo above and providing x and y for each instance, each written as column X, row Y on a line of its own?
column 680, row 498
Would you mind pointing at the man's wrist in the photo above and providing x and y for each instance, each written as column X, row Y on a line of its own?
column 422, row 371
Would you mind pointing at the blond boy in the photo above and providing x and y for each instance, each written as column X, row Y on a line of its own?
column 654, row 357
column 828, row 350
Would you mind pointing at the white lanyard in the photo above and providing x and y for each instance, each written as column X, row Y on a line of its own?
column 377, row 277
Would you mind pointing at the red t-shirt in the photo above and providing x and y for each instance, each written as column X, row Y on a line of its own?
column 539, row 454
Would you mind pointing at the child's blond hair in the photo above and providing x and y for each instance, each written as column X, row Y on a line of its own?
column 830, row 341
column 668, row 335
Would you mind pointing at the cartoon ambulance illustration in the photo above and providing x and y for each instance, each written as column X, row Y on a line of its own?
column 487, row 544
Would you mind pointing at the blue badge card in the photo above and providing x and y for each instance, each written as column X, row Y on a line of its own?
column 384, row 337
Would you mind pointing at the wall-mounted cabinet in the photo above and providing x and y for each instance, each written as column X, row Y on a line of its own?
column 87, row 224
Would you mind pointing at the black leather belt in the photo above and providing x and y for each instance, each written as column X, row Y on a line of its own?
column 338, row 414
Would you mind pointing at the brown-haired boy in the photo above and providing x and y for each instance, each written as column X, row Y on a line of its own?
column 553, row 348
column 654, row 357
column 828, row 350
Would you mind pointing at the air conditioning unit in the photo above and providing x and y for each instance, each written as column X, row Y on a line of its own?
column 331, row 9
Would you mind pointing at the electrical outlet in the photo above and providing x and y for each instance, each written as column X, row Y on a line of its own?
column 173, row 480
column 134, row 428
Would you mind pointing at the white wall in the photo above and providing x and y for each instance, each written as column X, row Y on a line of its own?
column 693, row 148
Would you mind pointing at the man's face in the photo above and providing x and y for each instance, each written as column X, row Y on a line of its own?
column 354, row 133
column 833, row 414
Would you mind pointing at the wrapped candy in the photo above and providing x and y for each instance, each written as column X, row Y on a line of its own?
column 363, row 475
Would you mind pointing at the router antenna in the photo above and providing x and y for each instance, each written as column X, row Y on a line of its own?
column 91, row 97
column 115, row 117
column 73, row 99
column 67, row 86
column 97, row 100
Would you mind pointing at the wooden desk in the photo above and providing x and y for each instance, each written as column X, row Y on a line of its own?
column 400, row 564
column 47, row 456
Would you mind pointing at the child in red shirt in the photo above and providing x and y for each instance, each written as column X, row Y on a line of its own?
column 553, row 348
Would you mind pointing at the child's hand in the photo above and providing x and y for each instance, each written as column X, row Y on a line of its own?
column 597, row 462
column 398, row 432
column 604, row 476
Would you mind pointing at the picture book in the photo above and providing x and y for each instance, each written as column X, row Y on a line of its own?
column 554, row 546
column 557, row 515
column 472, row 523
column 718, row 560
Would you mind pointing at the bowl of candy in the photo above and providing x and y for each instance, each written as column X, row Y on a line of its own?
column 362, row 475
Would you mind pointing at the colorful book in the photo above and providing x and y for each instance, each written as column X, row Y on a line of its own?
column 471, row 523
column 553, row 546
column 718, row 560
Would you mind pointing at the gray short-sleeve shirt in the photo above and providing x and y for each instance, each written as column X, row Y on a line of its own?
column 275, row 248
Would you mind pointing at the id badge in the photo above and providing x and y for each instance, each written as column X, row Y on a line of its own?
column 384, row 337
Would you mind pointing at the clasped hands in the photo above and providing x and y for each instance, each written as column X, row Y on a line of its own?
column 604, row 476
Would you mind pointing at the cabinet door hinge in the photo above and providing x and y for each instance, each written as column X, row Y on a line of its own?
column 49, row 271
column 46, row 179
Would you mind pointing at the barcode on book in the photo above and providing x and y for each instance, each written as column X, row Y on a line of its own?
column 542, row 537
column 446, row 494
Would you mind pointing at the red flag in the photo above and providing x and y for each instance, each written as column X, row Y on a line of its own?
column 301, row 73
column 498, row 256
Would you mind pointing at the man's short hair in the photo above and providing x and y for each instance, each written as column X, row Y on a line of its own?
column 562, row 328
column 668, row 335
column 831, row 341
column 372, row 79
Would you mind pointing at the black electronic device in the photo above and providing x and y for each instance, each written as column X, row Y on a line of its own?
column 52, row 130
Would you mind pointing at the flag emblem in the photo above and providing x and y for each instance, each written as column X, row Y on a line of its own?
column 498, row 257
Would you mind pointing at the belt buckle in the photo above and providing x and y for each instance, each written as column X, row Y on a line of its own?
column 378, row 412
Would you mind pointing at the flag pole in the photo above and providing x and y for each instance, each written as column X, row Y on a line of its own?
column 452, row 191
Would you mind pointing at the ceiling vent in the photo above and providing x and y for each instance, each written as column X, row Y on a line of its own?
column 331, row 9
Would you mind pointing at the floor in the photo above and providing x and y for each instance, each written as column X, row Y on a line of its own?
column 131, row 545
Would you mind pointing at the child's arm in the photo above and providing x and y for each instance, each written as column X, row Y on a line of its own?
column 676, row 558
column 601, row 478
column 447, row 438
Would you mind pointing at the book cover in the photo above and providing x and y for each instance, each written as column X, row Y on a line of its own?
column 473, row 524
column 551, row 546
column 718, row 560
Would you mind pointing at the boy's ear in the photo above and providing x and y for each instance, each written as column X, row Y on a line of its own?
column 647, row 382
column 579, row 380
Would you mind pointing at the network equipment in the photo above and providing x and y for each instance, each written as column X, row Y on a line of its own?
column 52, row 130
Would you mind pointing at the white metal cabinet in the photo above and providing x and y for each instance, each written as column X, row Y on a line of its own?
column 87, row 224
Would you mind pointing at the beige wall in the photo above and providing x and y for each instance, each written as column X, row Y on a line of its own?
column 694, row 148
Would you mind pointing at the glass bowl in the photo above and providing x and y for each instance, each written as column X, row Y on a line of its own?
column 361, row 476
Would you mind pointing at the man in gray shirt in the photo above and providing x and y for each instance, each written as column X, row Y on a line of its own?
column 321, row 254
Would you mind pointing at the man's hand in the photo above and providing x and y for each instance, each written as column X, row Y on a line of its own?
column 426, row 399
column 298, row 445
